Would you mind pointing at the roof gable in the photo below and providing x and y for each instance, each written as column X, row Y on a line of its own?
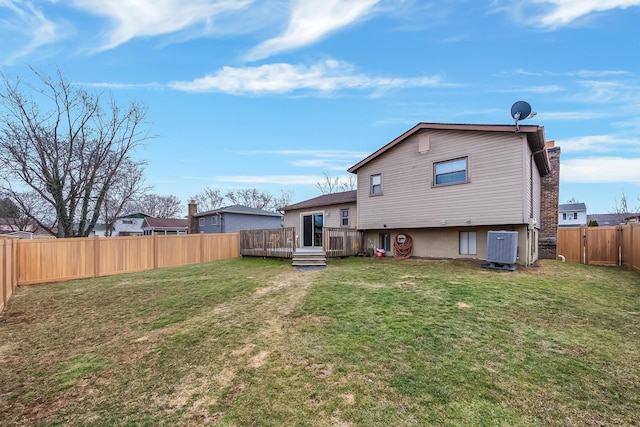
column 534, row 133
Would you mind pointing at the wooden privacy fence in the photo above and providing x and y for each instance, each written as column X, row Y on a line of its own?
column 40, row 261
column 614, row 245
column 8, row 264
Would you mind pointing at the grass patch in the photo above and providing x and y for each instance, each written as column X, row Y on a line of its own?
column 364, row 342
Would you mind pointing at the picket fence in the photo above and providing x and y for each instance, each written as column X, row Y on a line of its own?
column 26, row 262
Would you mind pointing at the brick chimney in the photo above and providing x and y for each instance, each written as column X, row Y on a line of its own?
column 193, row 209
column 550, row 186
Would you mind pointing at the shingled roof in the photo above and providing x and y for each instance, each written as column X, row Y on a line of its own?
column 325, row 200
column 166, row 222
column 238, row 209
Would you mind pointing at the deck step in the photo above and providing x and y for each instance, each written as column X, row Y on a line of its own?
column 309, row 258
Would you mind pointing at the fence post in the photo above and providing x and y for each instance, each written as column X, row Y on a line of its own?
column 201, row 240
column 154, row 247
column 96, row 256
column 4, row 262
column 583, row 234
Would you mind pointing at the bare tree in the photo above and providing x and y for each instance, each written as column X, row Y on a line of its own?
column 128, row 185
column 209, row 199
column 336, row 184
column 253, row 198
column 280, row 202
column 159, row 206
column 31, row 205
column 621, row 208
column 66, row 147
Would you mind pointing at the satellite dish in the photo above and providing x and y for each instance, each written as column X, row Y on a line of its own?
column 521, row 110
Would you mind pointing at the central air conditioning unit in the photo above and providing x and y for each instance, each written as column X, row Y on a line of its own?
column 502, row 250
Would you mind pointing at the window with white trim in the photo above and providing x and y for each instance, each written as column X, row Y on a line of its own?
column 468, row 243
column 450, row 171
column 214, row 220
column 376, row 185
column 201, row 222
column 344, row 217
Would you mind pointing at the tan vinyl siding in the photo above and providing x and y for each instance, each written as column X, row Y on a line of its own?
column 331, row 215
column 493, row 195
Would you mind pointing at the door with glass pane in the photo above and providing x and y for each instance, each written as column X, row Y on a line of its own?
column 312, row 230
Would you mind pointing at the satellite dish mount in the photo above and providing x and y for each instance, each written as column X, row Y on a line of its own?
column 521, row 110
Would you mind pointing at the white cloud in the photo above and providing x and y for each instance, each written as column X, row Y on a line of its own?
column 570, row 115
column 566, row 11
column 310, row 21
column 29, row 23
column 600, row 170
column 326, row 76
column 142, row 18
column 533, row 89
column 597, row 143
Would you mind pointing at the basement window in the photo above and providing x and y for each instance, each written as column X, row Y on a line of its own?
column 468, row 243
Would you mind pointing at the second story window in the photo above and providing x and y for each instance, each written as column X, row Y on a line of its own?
column 344, row 217
column 450, row 172
column 376, row 185
column 214, row 220
column 201, row 222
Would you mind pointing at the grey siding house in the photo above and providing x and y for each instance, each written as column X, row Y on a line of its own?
column 232, row 219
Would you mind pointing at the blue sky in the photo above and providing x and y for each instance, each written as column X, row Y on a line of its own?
column 272, row 94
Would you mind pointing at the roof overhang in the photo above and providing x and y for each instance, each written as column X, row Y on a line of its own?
column 534, row 134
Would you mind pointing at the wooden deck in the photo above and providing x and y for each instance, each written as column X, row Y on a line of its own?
column 281, row 242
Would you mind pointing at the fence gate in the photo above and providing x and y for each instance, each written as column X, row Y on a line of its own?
column 591, row 245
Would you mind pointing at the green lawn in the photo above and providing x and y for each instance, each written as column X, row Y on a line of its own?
column 366, row 342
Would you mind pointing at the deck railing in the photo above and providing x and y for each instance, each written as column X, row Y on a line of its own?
column 281, row 242
column 271, row 242
column 338, row 242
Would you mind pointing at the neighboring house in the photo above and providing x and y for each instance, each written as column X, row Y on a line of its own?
column 572, row 215
column 8, row 225
column 151, row 226
column 24, row 229
column 446, row 186
column 99, row 230
column 129, row 225
column 28, row 235
column 604, row 220
column 232, row 219
column 330, row 210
